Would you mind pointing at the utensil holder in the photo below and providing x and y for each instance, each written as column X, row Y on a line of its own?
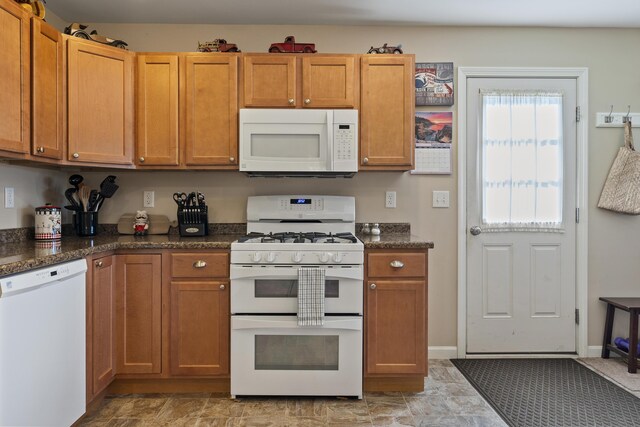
column 193, row 221
column 85, row 223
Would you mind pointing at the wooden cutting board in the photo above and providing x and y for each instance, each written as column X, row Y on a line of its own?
column 158, row 224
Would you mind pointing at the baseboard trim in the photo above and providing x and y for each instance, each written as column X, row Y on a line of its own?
column 443, row 352
column 595, row 351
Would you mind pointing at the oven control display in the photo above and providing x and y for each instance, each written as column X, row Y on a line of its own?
column 301, row 204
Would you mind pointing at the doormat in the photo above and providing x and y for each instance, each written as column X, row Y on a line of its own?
column 550, row 392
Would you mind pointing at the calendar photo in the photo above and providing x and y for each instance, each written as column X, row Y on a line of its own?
column 434, row 133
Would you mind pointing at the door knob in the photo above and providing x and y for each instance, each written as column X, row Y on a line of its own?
column 475, row 230
column 141, row 159
column 365, row 160
column 76, row 155
column 307, row 101
column 222, row 287
column 291, row 101
column 373, row 286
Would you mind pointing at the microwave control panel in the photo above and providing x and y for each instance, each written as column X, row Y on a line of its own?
column 344, row 139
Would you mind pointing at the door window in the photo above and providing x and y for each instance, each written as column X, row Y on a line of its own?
column 522, row 162
column 288, row 288
column 296, row 352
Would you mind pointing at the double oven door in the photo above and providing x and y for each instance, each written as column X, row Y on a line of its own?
column 272, row 355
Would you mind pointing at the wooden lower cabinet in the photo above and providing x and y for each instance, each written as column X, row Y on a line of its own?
column 199, row 328
column 100, row 324
column 138, row 313
column 395, row 320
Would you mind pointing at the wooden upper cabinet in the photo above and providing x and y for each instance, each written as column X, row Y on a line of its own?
column 269, row 80
column 211, row 108
column 329, row 82
column 100, row 103
column 300, row 81
column 138, row 314
column 14, row 78
column 157, row 110
column 46, row 90
column 387, row 112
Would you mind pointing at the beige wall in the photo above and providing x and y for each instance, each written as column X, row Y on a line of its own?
column 608, row 53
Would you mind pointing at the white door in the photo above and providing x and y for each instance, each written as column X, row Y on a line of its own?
column 521, row 203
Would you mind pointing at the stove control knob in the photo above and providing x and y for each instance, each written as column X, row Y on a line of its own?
column 271, row 257
column 296, row 257
column 324, row 257
column 337, row 257
column 256, row 257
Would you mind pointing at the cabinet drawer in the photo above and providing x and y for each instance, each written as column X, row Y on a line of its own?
column 200, row 265
column 407, row 264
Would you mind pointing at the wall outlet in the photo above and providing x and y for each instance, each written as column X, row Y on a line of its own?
column 9, row 198
column 390, row 199
column 440, row 199
column 149, row 199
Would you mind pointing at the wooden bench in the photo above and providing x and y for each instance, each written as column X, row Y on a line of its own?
column 632, row 306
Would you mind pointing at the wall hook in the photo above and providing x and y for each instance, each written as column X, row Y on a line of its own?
column 609, row 118
column 627, row 119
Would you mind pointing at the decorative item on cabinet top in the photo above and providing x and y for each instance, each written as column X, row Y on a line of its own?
column 386, row 49
column 78, row 30
column 34, row 6
column 290, row 46
column 218, row 45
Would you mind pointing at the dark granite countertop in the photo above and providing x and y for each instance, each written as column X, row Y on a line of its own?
column 29, row 254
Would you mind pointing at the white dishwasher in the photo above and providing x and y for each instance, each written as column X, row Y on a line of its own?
column 42, row 346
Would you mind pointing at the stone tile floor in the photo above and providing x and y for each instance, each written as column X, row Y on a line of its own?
column 448, row 400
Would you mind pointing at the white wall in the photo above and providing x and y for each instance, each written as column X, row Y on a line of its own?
column 613, row 69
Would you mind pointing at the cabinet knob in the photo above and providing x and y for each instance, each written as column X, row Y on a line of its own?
column 396, row 264
column 373, row 286
column 222, row 287
column 76, row 155
column 232, row 159
column 200, row 264
column 291, row 101
column 99, row 264
column 365, row 160
column 141, row 159
column 307, row 101
column 40, row 149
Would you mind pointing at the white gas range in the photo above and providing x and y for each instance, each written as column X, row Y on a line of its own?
column 270, row 353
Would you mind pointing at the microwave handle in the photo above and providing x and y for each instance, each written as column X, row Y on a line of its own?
column 330, row 153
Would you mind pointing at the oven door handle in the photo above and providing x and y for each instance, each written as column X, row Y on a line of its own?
column 264, row 322
column 239, row 272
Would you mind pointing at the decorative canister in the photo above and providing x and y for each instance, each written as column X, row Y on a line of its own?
column 48, row 222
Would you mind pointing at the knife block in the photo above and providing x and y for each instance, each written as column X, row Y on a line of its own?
column 193, row 221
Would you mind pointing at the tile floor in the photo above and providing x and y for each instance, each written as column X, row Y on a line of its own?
column 448, row 400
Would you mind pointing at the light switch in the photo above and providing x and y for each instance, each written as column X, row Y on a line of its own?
column 440, row 199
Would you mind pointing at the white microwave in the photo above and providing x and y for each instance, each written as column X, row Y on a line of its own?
column 283, row 142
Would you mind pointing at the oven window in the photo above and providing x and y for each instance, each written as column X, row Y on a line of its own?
column 296, row 352
column 285, row 288
column 299, row 146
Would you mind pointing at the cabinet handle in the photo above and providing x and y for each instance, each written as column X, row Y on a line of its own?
column 222, row 287
column 76, row 155
column 40, row 149
column 232, row 159
column 365, row 160
column 396, row 264
column 99, row 264
column 291, row 101
column 141, row 159
column 200, row 264
column 373, row 286
column 307, row 101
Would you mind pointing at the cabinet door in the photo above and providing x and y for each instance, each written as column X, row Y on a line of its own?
column 395, row 322
column 269, row 80
column 199, row 328
column 100, row 108
column 103, row 323
column 138, row 314
column 46, row 90
column 211, row 110
column 329, row 81
column 157, row 120
column 387, row 112
column 15, row 76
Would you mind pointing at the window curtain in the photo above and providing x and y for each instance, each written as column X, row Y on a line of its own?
column 522, row 167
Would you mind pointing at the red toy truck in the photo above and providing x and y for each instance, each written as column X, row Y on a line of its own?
column 290, row 45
